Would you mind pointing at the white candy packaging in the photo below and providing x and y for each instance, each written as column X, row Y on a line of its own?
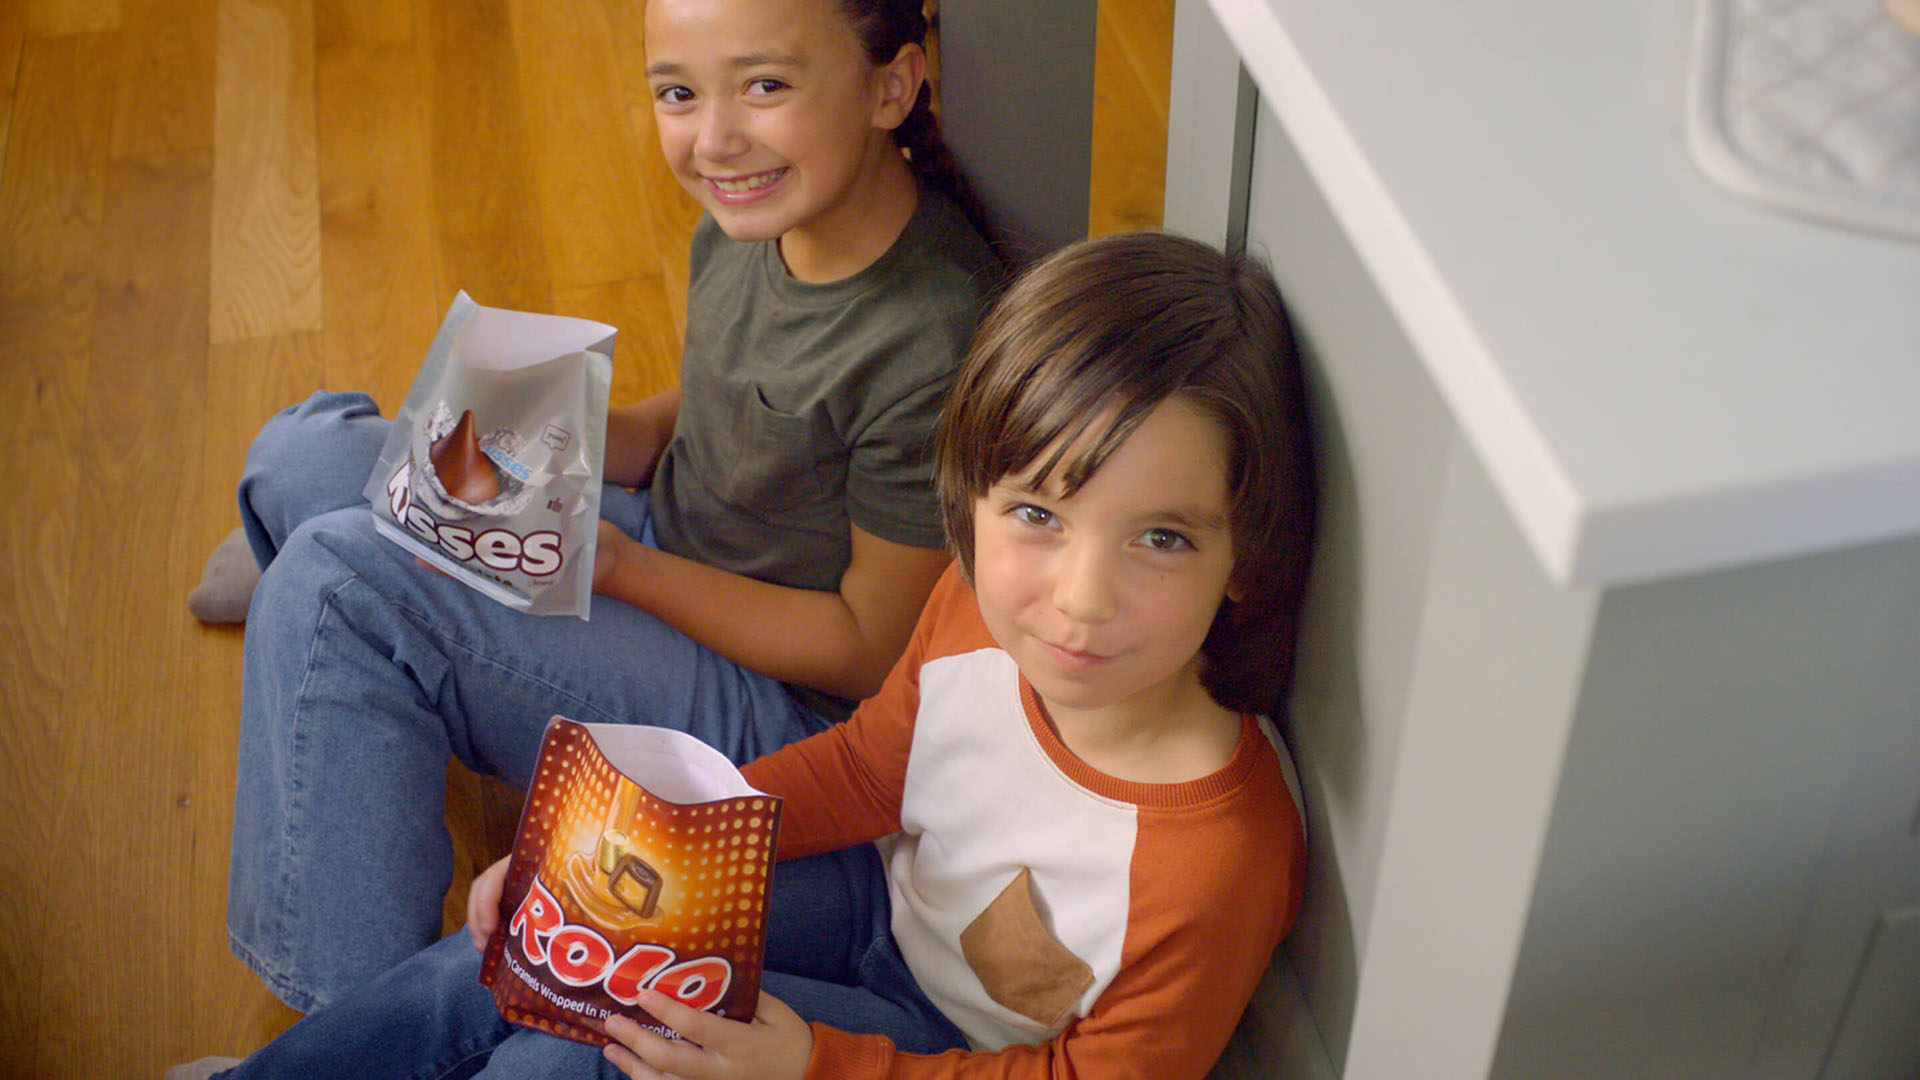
column 492, row 471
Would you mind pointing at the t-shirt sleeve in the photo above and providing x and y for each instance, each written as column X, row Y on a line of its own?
column 927, row 329
column 890, row 489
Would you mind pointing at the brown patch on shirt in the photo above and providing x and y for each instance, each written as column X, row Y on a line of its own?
column 1022, row 965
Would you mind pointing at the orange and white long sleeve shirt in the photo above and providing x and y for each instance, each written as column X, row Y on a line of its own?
column 1069, row 923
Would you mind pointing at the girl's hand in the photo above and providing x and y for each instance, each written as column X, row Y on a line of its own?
column 483, row 903
column 607, row 551
column 776, row 1045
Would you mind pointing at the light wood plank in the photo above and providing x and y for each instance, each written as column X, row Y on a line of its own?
column 485, row 209
column 646, row 354
column 1132, row 59
column 381, row 289
column 362, row 22
column 50, row 203
column 13, row 33
column 583, row 153
column 50, row 193
column 53, row 18
column 163, row 99
column 36, row 554
column 266, row 205
column 125, row 762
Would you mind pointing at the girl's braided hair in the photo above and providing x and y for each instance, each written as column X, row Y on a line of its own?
column 883, row 26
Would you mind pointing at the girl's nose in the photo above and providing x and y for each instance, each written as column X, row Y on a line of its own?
column 1085, row 584
column 721, row 134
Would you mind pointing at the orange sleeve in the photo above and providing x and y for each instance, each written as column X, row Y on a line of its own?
column 843, row 786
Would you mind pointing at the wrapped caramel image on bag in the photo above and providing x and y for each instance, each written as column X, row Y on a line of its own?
column 492, row 471
column 641, row 861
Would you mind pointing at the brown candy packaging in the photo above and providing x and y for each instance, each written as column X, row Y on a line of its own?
column 641, row 861
column 492, row 472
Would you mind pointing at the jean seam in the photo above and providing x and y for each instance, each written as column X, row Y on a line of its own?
column 274, row 970
column 462, row 1056
column 294, row 997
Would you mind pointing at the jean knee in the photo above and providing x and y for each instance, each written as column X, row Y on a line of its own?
column 306, row 460
column 307, row 568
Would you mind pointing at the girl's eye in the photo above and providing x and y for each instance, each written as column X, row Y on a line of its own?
column 1164, row 540
column 766, row 85
column 673, row 95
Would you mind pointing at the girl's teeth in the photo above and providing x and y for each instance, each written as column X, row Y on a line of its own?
column 751, row 183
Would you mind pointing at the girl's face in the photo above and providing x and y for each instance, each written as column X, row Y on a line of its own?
column 1104, row 597
column 769, row 112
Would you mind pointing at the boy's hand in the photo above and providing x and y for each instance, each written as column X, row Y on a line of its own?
column 776, row 1045
column 483, row 903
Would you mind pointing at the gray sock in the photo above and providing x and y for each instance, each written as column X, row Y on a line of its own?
column 203, row 1068
column 226, row 582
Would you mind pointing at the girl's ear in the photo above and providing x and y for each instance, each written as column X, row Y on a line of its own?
column 897, row 86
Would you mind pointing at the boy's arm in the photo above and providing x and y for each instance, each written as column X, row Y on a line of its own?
column 840, row 642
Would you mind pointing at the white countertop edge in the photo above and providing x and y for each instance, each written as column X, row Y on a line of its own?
column 1578, row 542
column 1740, row 527
column 1526, row 470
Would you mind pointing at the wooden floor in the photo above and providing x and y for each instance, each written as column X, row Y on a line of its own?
column 207, row 210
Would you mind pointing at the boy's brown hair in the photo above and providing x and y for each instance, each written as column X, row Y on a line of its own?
column 1107, row 329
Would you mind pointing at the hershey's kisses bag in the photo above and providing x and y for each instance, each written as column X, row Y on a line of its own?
column 492, row 471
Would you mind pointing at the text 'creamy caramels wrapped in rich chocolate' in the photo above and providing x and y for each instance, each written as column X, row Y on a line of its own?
column 492, row 471
column 642, row 861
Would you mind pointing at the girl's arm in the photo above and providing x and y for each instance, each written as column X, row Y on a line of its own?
column 636, row 435
column 841, row 642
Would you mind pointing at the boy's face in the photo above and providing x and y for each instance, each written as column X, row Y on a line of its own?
column 1105, row 597
column 765, row 109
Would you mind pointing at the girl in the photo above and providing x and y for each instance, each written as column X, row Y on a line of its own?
column 768, row 574
column 1091, row 845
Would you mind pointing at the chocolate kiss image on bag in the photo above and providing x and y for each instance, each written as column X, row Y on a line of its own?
column 492, row 471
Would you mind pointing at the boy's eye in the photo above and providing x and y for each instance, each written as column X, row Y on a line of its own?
column 766, row 84
column 1164, row 540
column 1029, row 514
column 673, row 95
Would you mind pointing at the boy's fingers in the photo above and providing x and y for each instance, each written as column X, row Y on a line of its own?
column 650, row 1044
column 628, row 1062
column 655, row 1054
column 692, row 1024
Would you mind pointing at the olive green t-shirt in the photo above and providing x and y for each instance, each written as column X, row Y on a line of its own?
column 807, row 408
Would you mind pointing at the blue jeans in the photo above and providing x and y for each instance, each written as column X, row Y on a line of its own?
column 829, row 956
column 364, row 673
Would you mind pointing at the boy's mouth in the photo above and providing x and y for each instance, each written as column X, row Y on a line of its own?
column 1074, row 659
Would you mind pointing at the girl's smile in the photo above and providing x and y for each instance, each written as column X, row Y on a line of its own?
column 745, row 189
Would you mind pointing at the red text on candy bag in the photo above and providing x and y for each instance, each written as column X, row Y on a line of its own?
column 579, row 956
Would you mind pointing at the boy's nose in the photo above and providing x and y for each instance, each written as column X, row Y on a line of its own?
column 1084, row 584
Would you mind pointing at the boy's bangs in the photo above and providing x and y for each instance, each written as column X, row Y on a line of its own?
column 1071, row 432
